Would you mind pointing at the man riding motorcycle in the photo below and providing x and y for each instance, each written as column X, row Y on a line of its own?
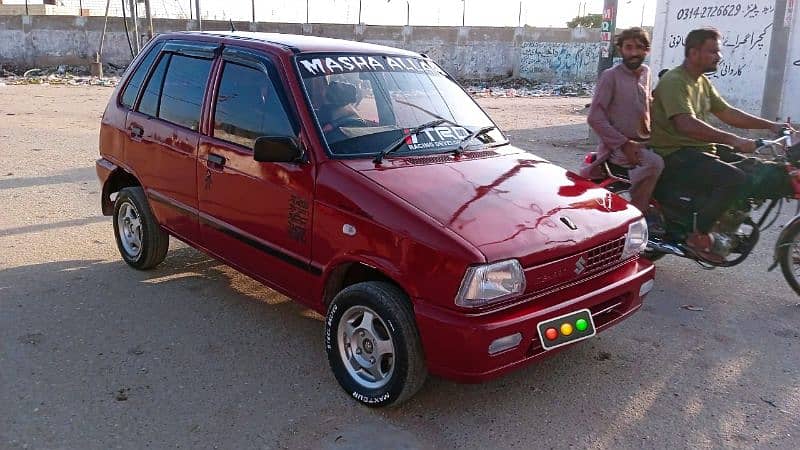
column 690, row 146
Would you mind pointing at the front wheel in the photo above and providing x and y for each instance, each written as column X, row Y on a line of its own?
column 789, row 257
column 373, row 344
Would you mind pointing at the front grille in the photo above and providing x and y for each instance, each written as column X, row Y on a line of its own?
column 604, row 256
column 575, row 268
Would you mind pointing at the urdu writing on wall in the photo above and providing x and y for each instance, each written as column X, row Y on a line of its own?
column 746, row 28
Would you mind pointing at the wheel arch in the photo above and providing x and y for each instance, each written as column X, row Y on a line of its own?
column 119, row 179
column 348, row 273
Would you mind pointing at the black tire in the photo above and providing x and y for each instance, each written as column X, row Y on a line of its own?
column 785, row 256
column 393, row 308
column 652, row 256
column 154, row 240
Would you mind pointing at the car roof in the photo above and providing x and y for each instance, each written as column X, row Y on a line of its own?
column 302, row 44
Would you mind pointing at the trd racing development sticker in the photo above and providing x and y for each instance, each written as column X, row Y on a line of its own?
column 437, row 137
column 329, row 65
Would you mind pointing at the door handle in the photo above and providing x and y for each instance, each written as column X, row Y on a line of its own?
column 136, row 131
column 215, row 161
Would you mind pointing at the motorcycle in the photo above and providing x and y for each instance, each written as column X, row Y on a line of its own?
column 738, row 230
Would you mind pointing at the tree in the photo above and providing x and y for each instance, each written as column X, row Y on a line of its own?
column 587, row 21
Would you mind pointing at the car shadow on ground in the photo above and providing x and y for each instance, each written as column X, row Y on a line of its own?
column 199, row 345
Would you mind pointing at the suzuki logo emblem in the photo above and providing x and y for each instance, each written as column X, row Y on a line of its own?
column 580, row 266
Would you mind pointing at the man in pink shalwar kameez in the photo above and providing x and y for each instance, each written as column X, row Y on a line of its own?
column 620, row 115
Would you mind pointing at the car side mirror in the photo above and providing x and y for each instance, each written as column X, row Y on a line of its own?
column 284, row 149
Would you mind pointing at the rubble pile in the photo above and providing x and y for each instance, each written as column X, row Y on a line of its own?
column 61, row 75
column 520, row 87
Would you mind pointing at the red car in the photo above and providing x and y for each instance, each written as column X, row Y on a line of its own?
column 363, row 182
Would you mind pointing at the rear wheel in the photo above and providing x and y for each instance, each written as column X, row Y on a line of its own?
column 142, row 242
column 789, row 257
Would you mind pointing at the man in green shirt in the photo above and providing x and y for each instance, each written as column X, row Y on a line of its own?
column 683, row 102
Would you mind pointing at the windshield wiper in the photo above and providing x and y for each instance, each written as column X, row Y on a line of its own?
column 463, row 144
column 412, row 132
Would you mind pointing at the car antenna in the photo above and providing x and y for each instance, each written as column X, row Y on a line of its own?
column 232, row 27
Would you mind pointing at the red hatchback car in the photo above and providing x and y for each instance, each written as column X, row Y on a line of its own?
column 363, row 182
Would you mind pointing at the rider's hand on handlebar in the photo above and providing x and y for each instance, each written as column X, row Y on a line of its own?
column 781, row 128
column 633, row 152
column 745, row 145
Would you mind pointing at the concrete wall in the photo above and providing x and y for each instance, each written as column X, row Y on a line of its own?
column 790, row 105
column 751, row 75
column 553, row 55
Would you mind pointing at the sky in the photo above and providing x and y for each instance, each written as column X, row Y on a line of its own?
column 539, row 13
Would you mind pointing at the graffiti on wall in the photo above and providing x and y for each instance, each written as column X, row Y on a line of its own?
column 559, row 61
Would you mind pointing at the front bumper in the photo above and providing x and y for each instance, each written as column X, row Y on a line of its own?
column 456, row 344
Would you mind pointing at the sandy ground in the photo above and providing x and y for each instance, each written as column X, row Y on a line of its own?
column 193, row 354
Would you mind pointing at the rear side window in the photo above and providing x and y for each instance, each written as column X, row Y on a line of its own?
column 248, row 107
column 136, row 80
column 152, row 91
column 182, row 93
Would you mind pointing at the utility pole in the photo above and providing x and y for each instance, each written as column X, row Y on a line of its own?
column 607, row 30
column 149, row 20
column 463, row 12
column 253, row 8
column 644, row 4
column 359, row 12
column 519, row 18
column 96, row 67
column 408, row 13
column 197, row 13
column 135, row 18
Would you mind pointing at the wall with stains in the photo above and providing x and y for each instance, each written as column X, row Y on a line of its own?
column 542, row 54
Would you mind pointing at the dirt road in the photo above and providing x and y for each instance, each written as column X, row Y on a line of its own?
column 193, row 354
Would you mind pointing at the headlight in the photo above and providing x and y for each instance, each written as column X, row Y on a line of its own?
column 636, row 239
column 491, row 283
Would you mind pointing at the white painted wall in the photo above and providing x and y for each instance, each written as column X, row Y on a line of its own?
column 746, row 26
column 790, row 106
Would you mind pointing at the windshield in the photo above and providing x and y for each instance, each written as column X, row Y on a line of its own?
column 364, row 103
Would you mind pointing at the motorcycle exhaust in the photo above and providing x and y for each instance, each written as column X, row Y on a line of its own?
column 662, row 247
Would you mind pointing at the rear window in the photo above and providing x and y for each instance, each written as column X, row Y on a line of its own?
column 136, row 80
column 182, row 94
column 248, row 107
column 152, row 91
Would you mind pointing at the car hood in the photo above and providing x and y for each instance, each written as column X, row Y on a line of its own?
column 510, row 206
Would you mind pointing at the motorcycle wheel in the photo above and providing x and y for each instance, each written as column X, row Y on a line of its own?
column 652, row 256
column 789, row 256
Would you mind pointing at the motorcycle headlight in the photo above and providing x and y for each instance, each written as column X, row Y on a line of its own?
column 490, row 283
column 636, row 239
